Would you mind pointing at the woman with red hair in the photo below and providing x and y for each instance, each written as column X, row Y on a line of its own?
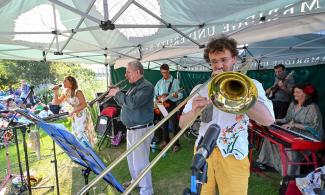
column 303, row 116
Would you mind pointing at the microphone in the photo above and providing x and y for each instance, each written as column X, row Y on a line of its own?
column 56, row 87
column 205, row 147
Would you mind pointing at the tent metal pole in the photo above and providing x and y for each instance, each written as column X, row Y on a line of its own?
column 22, row 49
column 72, row 56
column 111, row 68
column 56, row 29
column 294, row 46
column 120, row 12
column 280, row 47
column 76, row 11
column 166, row 23
column 49, row 48
column 19, row 33
column 78, row 25
column 105, row 8
column 124, row 54
column 83, row 51
column 83, row 57
column 107, row 83
column 91, row 44
column 119, row 26
column 153, row 26
column 250, row 53
column 81, row 29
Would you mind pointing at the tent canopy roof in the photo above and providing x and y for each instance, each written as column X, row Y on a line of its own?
column 117, row 31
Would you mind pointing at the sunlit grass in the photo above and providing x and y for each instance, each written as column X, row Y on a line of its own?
column 170, row 176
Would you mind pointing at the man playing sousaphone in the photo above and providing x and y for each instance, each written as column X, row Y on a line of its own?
column 167, row 92
column 281, row 91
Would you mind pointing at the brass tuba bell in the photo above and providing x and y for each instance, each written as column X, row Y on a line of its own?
column 232, row 92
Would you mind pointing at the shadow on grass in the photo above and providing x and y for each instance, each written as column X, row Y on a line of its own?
column 170, row 175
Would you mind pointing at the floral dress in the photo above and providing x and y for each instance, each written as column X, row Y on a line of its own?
column 82, row 125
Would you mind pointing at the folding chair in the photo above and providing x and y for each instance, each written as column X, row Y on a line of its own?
column 105, row 124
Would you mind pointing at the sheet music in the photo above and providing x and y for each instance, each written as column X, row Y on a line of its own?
column 162, row 109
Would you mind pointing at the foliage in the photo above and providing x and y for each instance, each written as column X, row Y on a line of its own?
column 7, row 77
column 44, row 73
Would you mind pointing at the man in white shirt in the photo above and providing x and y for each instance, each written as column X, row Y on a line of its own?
column 228, row 165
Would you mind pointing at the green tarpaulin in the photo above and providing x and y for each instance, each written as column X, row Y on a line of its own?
column 311, row 74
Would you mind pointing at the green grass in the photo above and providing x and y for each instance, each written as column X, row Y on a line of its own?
column 170, row 175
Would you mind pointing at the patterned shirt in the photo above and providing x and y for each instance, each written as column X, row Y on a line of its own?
column 233, row 137
column 309, row 116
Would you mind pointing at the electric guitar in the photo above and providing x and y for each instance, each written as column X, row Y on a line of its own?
column 274, row 89
column 163, row 99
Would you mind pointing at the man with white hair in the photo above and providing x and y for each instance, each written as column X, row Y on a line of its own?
column 137, row 115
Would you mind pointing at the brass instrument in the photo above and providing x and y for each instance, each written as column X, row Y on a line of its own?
column 229, row 91
column 232, row 92
column 102, row 96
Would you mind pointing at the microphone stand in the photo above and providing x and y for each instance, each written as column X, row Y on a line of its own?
column 35, row 120
column 198, row 177
column 23, row 130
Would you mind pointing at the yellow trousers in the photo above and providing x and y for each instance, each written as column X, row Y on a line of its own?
column 228, row 174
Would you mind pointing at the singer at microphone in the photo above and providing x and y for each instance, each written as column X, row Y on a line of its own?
column 82, row 125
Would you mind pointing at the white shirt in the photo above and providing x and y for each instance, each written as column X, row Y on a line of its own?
column 233, row 137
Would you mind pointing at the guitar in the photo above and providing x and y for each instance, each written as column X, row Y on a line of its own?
column 163, row 99
column 274, row 89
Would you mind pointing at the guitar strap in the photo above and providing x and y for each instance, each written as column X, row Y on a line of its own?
column 170, row 85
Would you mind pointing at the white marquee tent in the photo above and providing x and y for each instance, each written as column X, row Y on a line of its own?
column 117, row 31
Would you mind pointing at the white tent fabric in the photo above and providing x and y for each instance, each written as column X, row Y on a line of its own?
column 117, row 31
column 299, row 50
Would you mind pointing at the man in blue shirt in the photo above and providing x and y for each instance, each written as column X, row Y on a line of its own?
column 167, row 91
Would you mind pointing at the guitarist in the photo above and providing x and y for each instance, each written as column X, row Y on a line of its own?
column 281, row 91
column 164, row 87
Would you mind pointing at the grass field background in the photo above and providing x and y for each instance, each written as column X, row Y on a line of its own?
column 171, row 175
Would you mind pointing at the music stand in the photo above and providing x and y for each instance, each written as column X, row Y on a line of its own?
column 80, row 153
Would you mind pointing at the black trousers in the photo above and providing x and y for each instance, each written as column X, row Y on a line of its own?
column 171, row 122
column 280, row 109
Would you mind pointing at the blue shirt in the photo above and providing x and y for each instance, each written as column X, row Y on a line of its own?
column 162, row 88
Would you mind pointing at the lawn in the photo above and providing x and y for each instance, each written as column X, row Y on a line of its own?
column 170, row 176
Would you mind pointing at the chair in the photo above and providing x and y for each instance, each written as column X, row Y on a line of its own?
column 105, row 124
